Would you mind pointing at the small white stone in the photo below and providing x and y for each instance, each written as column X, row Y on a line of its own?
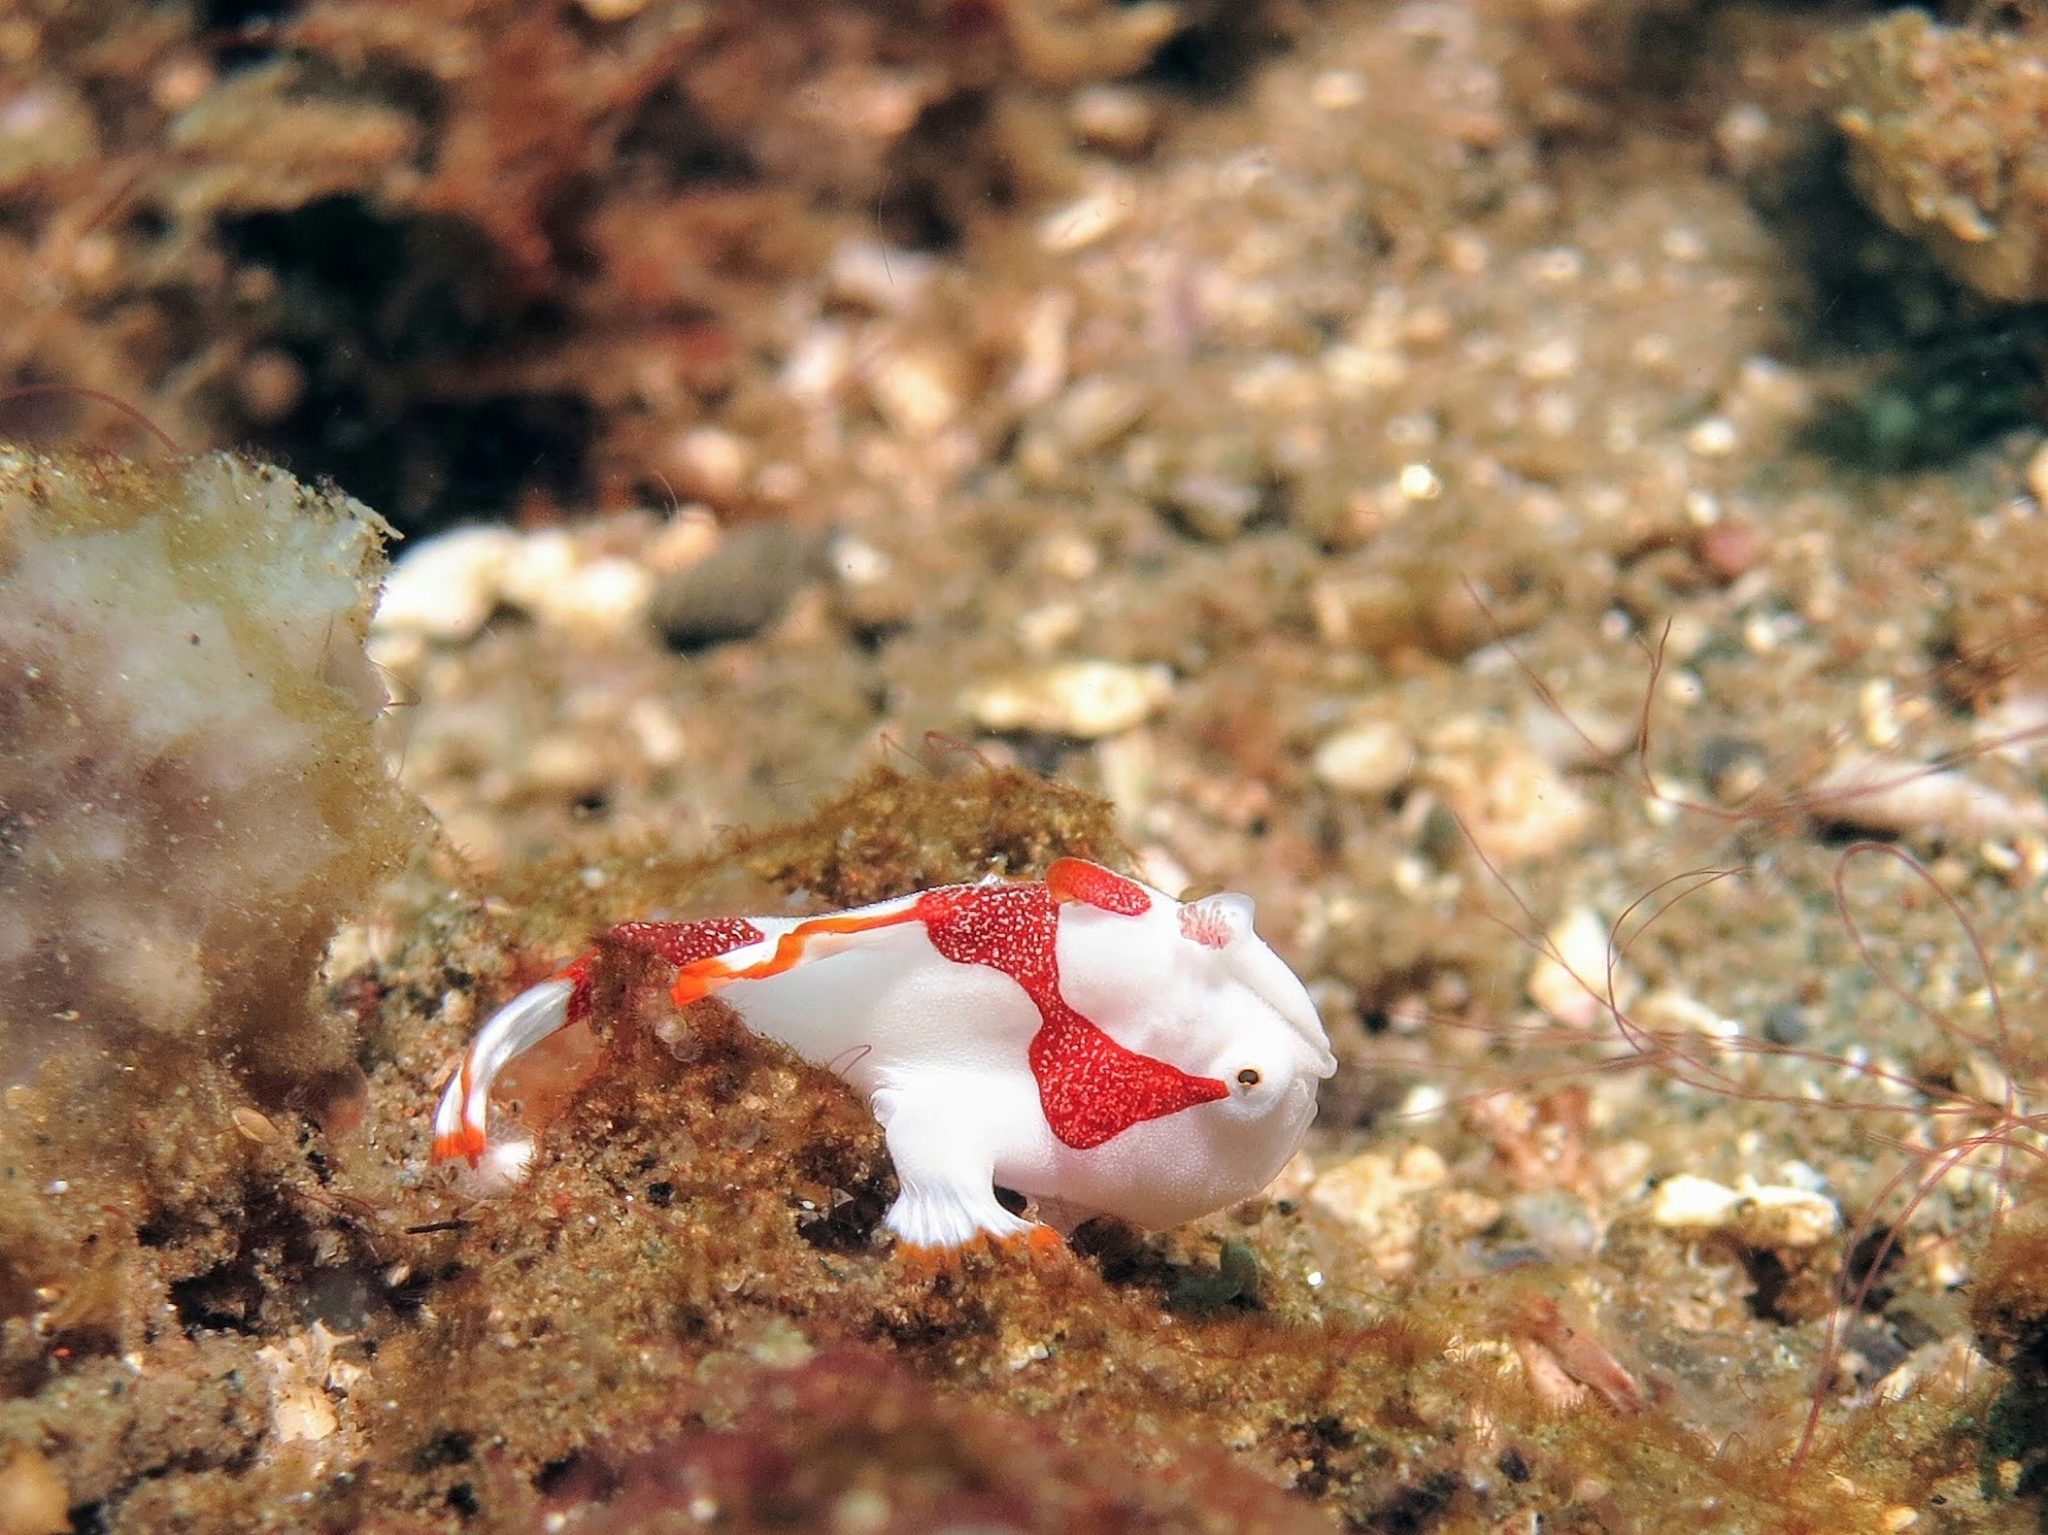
column 878, row 277
column 1743, row 137
column 1773, row 1216
column 1559, row 266
column 1776, row 1216
column 1425, row 1101
column 1090, row 218
column 300, row 1369
column 858, row 562
column 1042, row 630
column 1069, row 556
column 1114, row 118
column 566, row 762
column 1095, row 412
column 1549, row 361
column 1687, row 1201
column 714, row 463
column 1369, row 760
column 818, row 363
column 917, row 389
column 1984, row 1079
column 1354, row 370
column 1337, row 90
column 608, row 596
column 1214, row 505
column 1714, row 437
column 1570, row 980
column 1515, row 804
column 1419, row 482
column 537, row 563
column 1892, row 794
column 550, row 576
column 1042, row 350
column 2037, row 475
column 1684, row 245
column 1669, row 1010
column 1083, row 699
column 447, row 587
column 657, row 731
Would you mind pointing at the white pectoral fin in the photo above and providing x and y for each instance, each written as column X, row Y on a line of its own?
column 945, row 1167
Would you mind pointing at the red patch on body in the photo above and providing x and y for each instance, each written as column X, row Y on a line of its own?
column 1090, row 1087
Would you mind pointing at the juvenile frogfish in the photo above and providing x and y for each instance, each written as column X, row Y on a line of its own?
column 1084, row 1040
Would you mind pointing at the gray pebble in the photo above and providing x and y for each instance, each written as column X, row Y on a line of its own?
column 738, row 590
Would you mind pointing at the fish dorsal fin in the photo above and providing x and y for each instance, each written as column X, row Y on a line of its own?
column 1076, row 879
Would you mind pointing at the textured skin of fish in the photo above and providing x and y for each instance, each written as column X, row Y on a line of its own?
column 1085, row 1040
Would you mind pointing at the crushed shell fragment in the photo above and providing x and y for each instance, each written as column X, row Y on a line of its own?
column 1083, row 699
column 1769, row 1217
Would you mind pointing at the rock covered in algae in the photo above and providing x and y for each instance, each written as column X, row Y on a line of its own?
column 190, row 794
column 853, row 1440
column 1945, row 144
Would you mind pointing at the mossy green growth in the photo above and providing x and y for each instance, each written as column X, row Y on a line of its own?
column 892, row 831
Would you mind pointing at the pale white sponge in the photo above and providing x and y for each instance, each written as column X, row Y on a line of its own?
column 190, row 793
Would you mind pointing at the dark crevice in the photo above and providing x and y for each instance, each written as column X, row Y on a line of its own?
column 232, row 15
column 1936, row 371
column 942, row 175
column 381, row 317
column 669, row 133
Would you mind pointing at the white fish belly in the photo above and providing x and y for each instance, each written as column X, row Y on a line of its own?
column 886, row 1008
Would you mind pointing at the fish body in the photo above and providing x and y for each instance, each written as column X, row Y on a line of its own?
column 1084, row 1040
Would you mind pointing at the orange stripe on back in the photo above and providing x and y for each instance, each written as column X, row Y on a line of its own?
column 704, row 976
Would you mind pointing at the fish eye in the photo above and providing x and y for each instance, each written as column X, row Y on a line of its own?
column 1248, row 1078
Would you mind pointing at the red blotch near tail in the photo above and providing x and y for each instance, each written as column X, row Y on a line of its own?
column 684, row 943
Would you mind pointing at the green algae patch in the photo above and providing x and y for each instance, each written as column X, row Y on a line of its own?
column 894, row 830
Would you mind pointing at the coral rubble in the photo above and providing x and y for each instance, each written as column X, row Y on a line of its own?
column 1944, row 131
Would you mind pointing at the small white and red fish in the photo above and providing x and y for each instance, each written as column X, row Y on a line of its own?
column 1084, row 1040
